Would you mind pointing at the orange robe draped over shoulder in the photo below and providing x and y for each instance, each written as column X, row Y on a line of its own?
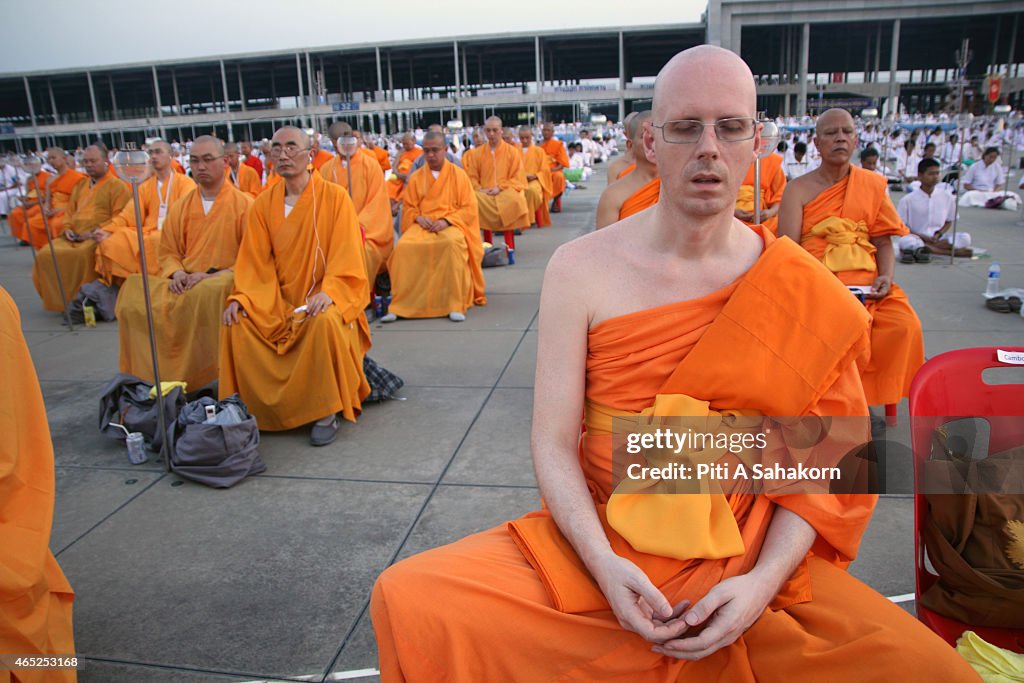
column 188, row 324
column 433, row 274
column 321, row 157
column 502, row 168
column 626, row 171
column 118, row 255
column 856, row 209
column 35, row 597
column 381, row 155
column 90, row 207
column 540, row 191
column 403, row 165
column 773, row 184
column 59, row 189
column 371, row 203
column 546, row 618
column 33, row 188
column 557, row 156
column 645, row 197
column 245, row 179
column 291, row 369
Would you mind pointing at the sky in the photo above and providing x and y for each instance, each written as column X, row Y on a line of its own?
column 79, row 33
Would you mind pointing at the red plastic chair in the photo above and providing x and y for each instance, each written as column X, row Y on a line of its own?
column 951, row 386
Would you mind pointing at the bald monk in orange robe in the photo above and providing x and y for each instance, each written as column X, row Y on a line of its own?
column 496, row 171
column 379, row 153
column 635, row 192
column 403, row 167
column 293, row 366
column 436, row 267
column 92, row 204
column 559, row 159
column 773, row 184
column 539, row 189
column 743, row 587
column 242, row 176
column 842, row 215
column 36, row 597
column 368, row 194
column 320, row 156
column 33, row 189
column 627, row 162
column 198, row 247
column 117, row 255
column 56, row 196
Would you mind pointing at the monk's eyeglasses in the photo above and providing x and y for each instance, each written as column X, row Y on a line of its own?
column 196, row 161
column 289, row 150
column 689, row 132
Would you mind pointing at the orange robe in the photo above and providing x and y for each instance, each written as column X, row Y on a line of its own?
column 90, row 207
column 59, row 189
column 19, row 217
column 321, row 157
column 381, row 155
column 291, row 369
column 35, row 617
column 371, row 202
column 502, row 168
column 188, row 324
column 118, row 255
column 547, row 620
column 433, row 274
column 860, row 209
column 177, row 167
column 558, row 157
column 626, row 171
column 245, row 179
column 540, row 191
column 773, row 184
column 645, row 197
column 272, row 179
column 404, row 165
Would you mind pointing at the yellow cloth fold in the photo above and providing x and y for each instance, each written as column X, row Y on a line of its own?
column 682, row 519
column 849, row 245
column 993, row 664
column 167, row 387
column 745, row 198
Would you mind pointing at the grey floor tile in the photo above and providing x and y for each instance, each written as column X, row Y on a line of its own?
column 497, row 450
column 86, row 354
column 267, row 576
column 886, row 557
column 521, row 370
column 110, row 672
column 410, row 440
column 457, row 358
column 502, row 312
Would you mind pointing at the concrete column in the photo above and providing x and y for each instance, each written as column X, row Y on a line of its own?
column 1013, row 45
column 92, row 98
column 313, row 94
column 893, row 103
column 458, row 81
column 241, row 88
column 298, row 75
column 113, row 96
column 622, row 78
column 53, row 102
column 32, row 110
column 159, row 105
column 878, row 54
column 177, row 99
column 805, row 46
column 380, row 76
column 391, row 79
column 227, row 107
column 537, row 76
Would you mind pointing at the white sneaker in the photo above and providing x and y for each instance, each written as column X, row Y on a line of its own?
column 388, row 318
column 457, row 317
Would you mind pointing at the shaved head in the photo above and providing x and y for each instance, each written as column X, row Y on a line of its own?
column 436, row 127
column 230, row 147
column 835, row 136
column 160, row 156
column 161, row 144
column 208, row 174
column 339, row 129
column 496, row 120
column 627, row 123
column 635, row 128
column 434, row 136
column 706, row 65
column 833, row 117
column 217, row 148
column 94, row 160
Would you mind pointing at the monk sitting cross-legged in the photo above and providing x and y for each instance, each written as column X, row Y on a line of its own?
column 679, row 310
column 55, row 194
column 435, row 267
column 634, row 192
column 538, row 178
column 842, row 215
column 559, row 159
column 403, row 167
column 198, row 246
column 117, row 255
column 93, row 202
column 242, row 176
column 626, row 163
column 367, row 191
column 295, row 333
column 773, row 184
column 496, row 171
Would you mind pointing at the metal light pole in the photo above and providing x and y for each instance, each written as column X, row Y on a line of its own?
column 769, row 141
column 133, row 166
column 963, row 127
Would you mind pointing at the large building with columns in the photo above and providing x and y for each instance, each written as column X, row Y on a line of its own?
column 805, row 55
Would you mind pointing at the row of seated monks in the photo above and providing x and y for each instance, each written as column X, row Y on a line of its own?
column 839, row 212
column 243, row 274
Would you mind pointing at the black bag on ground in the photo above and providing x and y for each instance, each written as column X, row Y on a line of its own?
column 219, row 453
column 125, row 400
column 384, row 384
column 101, row 297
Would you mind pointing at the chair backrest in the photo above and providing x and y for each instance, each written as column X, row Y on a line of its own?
column 951, row 386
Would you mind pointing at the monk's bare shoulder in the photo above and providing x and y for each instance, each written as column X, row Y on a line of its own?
column 804, row 189
column 590, row 261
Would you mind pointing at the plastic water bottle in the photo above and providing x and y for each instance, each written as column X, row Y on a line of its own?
column 992, row 288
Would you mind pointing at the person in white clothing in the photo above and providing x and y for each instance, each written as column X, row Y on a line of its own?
column 800, row 164
column 986, row 180
column 929, row 211
column 9, row 182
